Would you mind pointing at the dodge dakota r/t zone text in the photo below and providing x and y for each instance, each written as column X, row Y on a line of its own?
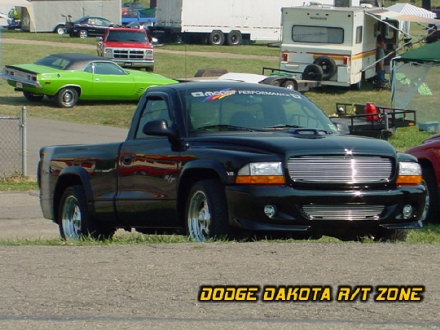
column 219, row 159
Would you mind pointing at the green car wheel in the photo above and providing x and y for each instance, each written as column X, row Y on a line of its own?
column 67, row 97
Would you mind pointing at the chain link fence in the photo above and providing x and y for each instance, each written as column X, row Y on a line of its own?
column 13, row 152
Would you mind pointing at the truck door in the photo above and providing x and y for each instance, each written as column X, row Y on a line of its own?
column 148, row 171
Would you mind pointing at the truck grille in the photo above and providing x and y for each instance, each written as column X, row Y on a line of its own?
column 132, row 54
column 340, row 169
column 343, row 212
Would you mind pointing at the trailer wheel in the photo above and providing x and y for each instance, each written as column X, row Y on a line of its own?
column 328, row 66
column 290, row 84
column 234, row 38
column 216, row 37
column 312, row 72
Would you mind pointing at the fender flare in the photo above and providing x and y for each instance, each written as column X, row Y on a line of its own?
column 69, row 174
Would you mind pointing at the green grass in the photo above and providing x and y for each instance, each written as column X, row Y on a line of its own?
column 17, row 183
column 426, row 235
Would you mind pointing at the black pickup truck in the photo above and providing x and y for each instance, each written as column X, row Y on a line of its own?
column 219, row 159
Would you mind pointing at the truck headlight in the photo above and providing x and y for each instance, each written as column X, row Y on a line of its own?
column 409, row 173
column 261, row 173
column 107, row 51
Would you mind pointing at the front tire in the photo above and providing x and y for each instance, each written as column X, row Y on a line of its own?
column 74, row 220
column 206, row 213
column 32, row 97
column 67, row 97
column 60, row 30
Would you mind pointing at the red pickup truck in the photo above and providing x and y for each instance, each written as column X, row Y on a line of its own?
column 128, row 47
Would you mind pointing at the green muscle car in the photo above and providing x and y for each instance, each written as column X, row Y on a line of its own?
column 68, row 78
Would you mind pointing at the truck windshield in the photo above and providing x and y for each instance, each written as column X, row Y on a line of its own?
column 259, row 109
column 127, row 36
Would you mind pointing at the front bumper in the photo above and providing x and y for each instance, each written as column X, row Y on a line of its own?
column 246, row 209
column 134, row 63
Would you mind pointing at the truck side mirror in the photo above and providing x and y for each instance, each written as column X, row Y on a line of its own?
column 159, row 128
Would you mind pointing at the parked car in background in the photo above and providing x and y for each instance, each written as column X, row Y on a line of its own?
column 60, row 27
column 128, row 47
column 428, row 154
column 88, row 26
column 68, row 78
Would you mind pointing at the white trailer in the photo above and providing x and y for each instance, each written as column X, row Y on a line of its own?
column 337, row 45
column 216, row 22
column 46, row 15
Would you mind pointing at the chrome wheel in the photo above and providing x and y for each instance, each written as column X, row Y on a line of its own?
column 67, row 97
column 61, row 30
column 71, row 218
column 199, row 217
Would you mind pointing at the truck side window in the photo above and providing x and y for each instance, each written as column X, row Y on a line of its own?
column 155, row 109
column 359, row 34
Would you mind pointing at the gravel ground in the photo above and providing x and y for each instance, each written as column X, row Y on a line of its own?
column 156, row 286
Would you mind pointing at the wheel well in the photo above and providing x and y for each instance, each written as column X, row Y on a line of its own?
column 426, row 163
column 78, row 89
column 62, row 184
column 186, row 182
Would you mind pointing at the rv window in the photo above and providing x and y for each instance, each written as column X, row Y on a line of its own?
column 317, row 34
column 359, row 34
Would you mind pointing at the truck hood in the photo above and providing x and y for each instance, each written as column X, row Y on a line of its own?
column 121, row 44
column 297, row 144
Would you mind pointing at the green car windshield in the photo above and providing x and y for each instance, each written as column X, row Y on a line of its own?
column 253, row 110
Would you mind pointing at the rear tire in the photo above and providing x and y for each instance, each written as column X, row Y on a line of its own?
column 206, row 214
column 60, row 29
column 74, row 220
column 67, row 97
column 216, row 37
column 33, row 97
column 234, row 38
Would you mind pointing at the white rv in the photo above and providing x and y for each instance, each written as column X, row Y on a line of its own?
column 218, row 22
column 336, row 45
